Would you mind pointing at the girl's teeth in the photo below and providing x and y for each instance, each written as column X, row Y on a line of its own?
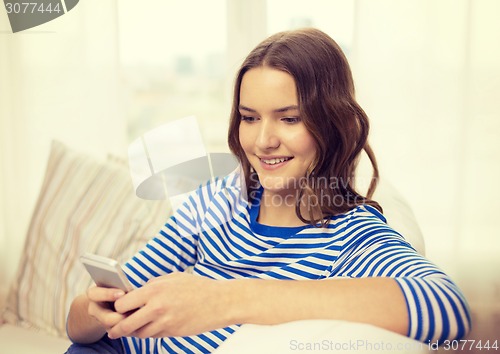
column 275, row 161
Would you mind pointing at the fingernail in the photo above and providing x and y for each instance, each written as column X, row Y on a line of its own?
column 118, row 294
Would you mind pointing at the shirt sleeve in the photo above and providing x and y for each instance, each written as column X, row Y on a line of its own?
column 436, row 307
column 172, row 249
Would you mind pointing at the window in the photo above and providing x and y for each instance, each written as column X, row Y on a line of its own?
column 172, row 58
column 335, row 17
column 179, row 57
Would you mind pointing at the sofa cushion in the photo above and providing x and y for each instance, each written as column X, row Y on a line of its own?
column 85, row 205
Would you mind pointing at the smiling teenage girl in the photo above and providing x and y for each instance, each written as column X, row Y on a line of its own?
column 275, row 141
column 296, row 248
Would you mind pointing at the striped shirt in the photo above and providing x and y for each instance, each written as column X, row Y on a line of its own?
column 216, row 233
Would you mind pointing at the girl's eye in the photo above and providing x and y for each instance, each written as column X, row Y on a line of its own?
column 290, row 120
column 248, row 119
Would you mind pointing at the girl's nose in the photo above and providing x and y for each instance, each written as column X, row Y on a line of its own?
column 267, row 137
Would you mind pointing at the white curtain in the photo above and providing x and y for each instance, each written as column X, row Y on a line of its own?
column 58, row 81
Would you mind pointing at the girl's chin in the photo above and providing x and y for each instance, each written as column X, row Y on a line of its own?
column 279, row 184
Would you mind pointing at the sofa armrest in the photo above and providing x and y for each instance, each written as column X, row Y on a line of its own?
column 15, row 339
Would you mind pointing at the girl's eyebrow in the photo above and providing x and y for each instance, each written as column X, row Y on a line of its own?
column 278, row 110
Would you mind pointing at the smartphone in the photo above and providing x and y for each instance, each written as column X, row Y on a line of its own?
column 106, row 272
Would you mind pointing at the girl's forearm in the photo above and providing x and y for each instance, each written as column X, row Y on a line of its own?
column 376, row 301
column 81, row 327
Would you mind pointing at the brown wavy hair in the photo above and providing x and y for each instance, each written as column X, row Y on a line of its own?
column 328, row 109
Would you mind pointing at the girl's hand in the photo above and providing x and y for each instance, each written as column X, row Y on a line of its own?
column 101, row 306
column 177, row 304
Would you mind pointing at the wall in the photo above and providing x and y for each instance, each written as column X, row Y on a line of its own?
column 59, row 81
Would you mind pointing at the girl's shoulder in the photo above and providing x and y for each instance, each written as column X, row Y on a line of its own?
column 232, row 182
column 366, row 225
column 217, row 193
column 369, row 212
column 360, row 213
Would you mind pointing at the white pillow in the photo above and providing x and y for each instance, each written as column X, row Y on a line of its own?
column 399, row 214
column 318, row 336
column 84, row 206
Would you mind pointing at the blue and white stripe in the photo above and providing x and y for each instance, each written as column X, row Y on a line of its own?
column 214, row 233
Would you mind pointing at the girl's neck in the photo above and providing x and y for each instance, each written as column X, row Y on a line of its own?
column 278, row 210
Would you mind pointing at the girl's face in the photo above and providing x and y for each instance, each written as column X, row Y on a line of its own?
column 275, row 140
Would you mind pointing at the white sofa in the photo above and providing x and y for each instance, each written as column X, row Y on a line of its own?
column 89, row 205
